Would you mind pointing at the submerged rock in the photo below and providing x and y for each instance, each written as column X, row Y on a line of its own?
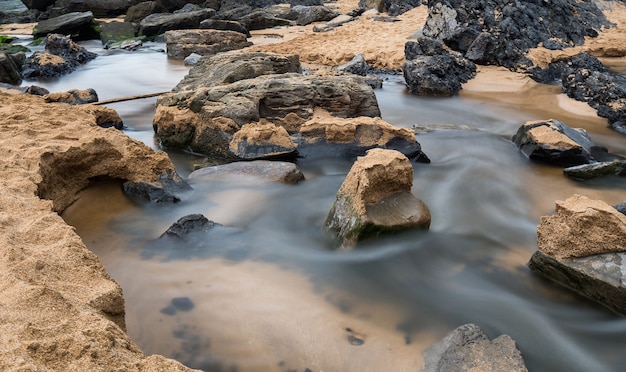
column 468, row 348
column 376, row 198
column 265, row 170
column 596, row 170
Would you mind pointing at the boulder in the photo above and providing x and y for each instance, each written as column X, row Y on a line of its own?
column 100, row 9
column 157, row 23
column 265, row 170
column 78, row 25
column 224, row 25
column 376, row 198
column 139, row 11
column 596, row 170
column 173, row 5
column 61, row 56
column 227, row 5
column 468, row 348
column 182, row 43
column 304, row 15
column 352, row 137
column 554, row 142
column 11, row 67
column 260, row 19
column 582, row 227
column 111, row 32
column 431, row 68
column 73, row 96
column 357, row 66
column 501, row 32
column 391, row 7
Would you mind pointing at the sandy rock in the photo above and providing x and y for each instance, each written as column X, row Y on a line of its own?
column 376, row 198
column 582, row 227
column 262, row 141
column 182, row 43
column 157, row 23
column 60, row 309
column 468, row 348
column 61, row 56
column 73, row 97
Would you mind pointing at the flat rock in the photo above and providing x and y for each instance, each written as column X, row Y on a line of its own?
column 596, row 170
column 182, row 43
column 157, row 23
column 265, row 170
column 79, row 25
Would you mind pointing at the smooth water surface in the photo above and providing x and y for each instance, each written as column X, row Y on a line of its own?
column 266, row 292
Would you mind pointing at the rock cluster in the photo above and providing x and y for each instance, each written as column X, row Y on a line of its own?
column 61, row 56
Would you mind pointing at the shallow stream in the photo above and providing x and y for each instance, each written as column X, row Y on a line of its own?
column 269, row 294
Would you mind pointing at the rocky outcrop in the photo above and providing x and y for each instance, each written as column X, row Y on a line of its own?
column 582, row 247
column 376, row 198
column 157, row 23
column 182, row 43
column 61, row 56
column 60, row 309
column 78, row 25
column 264, row 170
column 100, row 9
column 501, row 33
column 433, row 69
column 554, row 142
column 468, row 348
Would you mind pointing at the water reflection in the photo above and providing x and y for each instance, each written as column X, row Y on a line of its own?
column 269, row 294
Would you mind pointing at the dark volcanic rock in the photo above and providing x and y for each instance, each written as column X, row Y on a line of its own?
column 596, row 170
column 432, row 69
column 468, row 348
column 80, row 26
column 61, row 56
column 500, row 32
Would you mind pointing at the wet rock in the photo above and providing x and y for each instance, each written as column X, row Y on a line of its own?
column 73, row 96
column 304, row 15
column 269, row 171
column 157, row 23
column 182, row 43
column 352, row 137
column 376, row 198
column 469, row 348
column 137, row 12
column 61, row 56
column 166, row 189
column 501, row 32
column 111, row 32
column 554, row 142
column 582, row 227
column 431, row 68
column 224, row 25
column 78, row 25
column 188, row 225
column 621, row 207
column 10, row 68
column 357, row 66
column 596, row 170
column 7, row 46
column 100, row 9
column 263, row 141
column 599, row 277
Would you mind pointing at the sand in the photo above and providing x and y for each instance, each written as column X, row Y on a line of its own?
column 59, row 309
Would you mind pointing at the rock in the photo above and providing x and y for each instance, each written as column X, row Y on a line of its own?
column 41, row 5
column 173, row 5
column 558, row 70
column 139, row 11
column 224, row 25
column 468, row 348
column 357, row 66
column 304, row 15
column 432, row 69
column 391, row 7
column 266, row 170
column 339, row 20
column 598, row 277
column 7, row 46
column 262, row 141
column 10, row 68
column 186, row 226
column 192, row 59
column 105, row 117
column 73, row 97
column 61, row 56
column 582, row 227
column 349, row 138
column 182, row 43
column 376, row 198
column 100, row 9
column 554, row 142
column 116, row 31
column 501, row 32
column 227, row 5
column 621, row 207
column 596, row 170
column 260, row 19
column 157, row 23
column 78, row 25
